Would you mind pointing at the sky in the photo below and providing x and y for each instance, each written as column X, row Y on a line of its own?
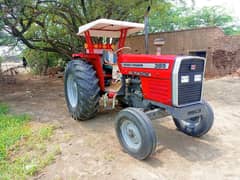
column 232, row 6
column 9, row 51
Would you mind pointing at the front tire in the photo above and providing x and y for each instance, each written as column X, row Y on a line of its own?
column 197, row 126
column 135, row 133
column 82, row 91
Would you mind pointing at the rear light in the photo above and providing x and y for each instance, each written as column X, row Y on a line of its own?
column 184, row 79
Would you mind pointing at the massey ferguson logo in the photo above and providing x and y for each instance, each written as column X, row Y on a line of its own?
column 193, row 67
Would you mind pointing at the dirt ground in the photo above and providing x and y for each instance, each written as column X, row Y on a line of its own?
column 93, row 151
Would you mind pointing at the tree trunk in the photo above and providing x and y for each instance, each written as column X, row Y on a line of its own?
column 46, row 65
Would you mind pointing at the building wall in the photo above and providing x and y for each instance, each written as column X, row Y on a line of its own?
column 222, row 52
column 177, row 42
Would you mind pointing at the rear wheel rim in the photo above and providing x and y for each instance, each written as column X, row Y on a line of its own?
column 131, row 135
column 72, row 92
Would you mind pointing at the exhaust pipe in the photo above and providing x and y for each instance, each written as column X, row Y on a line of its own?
column 146, row 29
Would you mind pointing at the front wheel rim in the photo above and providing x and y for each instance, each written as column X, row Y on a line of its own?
column 131, row 135
column 192, row 122
column 72, row 92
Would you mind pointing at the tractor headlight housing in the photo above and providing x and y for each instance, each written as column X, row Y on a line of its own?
column 184, row 79
column 197, row 78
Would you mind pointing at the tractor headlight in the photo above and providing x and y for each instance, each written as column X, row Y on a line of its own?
column 184, row 79
column 197, row 78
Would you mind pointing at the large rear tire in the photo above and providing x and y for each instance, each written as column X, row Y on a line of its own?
column 135, row 133
column 197, row 126
column 82, row 91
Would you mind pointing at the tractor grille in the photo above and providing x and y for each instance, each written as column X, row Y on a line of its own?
column 191, row 91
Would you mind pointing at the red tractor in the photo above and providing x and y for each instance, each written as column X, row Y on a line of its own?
column 150, row 87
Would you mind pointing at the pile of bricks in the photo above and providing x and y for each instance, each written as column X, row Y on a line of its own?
column 226, row 62
column 8, row 76
column 7, row 79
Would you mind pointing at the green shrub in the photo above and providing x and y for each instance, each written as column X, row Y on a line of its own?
column 39, row 61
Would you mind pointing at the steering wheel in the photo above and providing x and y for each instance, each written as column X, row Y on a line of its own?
column 125, row 47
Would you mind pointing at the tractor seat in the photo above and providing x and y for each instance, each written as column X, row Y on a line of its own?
column 107, row 68
column 109, row 57
column 108, row 60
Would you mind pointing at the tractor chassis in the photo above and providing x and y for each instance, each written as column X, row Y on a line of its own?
column 184, row 112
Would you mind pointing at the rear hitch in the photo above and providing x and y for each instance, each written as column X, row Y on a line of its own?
column 109, row 100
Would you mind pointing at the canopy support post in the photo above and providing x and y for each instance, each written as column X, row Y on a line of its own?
column 122, row 39
column 89, row 41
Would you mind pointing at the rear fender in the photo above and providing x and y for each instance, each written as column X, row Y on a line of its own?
column 95, row 60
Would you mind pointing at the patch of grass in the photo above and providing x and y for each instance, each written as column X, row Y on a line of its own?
column 46, row 132
column 3, row 108
column 24, row 150
column 109, row 156
column 29, row 164
column 12, row 128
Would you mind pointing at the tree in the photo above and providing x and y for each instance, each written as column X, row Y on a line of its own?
column 5, row 38
column 51, row 25
column 182, row 17
column 1, row 65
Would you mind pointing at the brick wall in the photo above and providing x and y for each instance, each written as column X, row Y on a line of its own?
column 177, row 42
